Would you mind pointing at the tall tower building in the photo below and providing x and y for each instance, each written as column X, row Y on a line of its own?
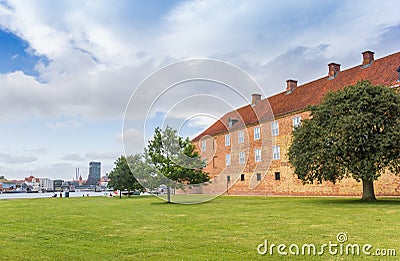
column 94, row 173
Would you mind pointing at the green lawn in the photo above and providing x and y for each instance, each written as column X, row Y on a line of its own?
column 227, row 228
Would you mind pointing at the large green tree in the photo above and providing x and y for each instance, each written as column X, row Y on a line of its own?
column 354, row 132
column 176, row 159
column 121, row 177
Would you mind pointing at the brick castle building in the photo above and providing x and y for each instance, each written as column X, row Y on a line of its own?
column 246, row 149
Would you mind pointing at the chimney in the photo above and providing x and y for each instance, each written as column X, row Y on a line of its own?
column 334, row 69
column 255, row 98
column 368, row 58
column 290, row 86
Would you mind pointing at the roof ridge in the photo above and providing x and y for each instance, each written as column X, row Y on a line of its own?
column 312, row 92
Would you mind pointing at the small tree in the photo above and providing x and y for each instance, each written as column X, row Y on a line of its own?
column 143, row 171
column 122, row 178
column 176, row 159
column 354, row 132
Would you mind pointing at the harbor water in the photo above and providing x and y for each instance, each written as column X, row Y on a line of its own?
column 50, row 194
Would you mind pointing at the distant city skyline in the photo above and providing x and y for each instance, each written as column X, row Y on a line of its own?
column 93, row 170
column 68, row 68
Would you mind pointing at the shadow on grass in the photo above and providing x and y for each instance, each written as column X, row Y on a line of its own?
column 179, row 204
column 355, row 201
column 164, row 202
column 302, row 200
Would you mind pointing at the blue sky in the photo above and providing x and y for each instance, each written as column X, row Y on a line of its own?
column 16, row 55
column 68, row 68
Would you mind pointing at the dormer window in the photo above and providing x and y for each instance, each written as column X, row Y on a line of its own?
column 231, row 122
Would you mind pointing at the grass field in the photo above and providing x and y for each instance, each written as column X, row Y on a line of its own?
column 227, row 228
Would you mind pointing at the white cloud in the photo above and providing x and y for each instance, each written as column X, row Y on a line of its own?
column 203, row 121
column 70, row 124
column 302, row 63
column 96, row 60
column 16, row 159
column 53, row 29
column 133, row 141
column 101, row 155
column 19, row 93
column 58, row 170
column 258, row 31
column 40, row 150
column 73, row 157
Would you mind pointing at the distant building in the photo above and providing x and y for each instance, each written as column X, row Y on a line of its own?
column 33, row 184
column 58, row 185
column 7, row 185
column 104, row 182
column 94, row 173
column 46, row 184
column 79, row 181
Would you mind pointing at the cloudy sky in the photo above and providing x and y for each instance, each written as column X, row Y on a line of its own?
column 69, row 68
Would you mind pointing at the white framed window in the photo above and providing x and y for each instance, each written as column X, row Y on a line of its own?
column 241, row 157
column 257, row 133
column 228, row 159
column 296, row 121
column 275, row 128
column 240, row 136
column 203, row 145
column 227, row 140
column 276, row 152
column 257, row 155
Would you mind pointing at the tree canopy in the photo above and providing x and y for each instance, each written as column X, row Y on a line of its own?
column 121, row 177
column 168, row 159
column 175, row 158
column 354, row 133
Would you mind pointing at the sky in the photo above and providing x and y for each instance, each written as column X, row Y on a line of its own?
column 68, row 68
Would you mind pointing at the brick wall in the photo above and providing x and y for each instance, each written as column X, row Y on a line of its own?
column 288, row 184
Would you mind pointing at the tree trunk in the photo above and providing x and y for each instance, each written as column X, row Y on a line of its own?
column 368, row 190
column 169, row 194
column 120, row 192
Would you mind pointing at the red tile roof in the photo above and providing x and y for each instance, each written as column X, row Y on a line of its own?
column 31, row 178
column 382, row 71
